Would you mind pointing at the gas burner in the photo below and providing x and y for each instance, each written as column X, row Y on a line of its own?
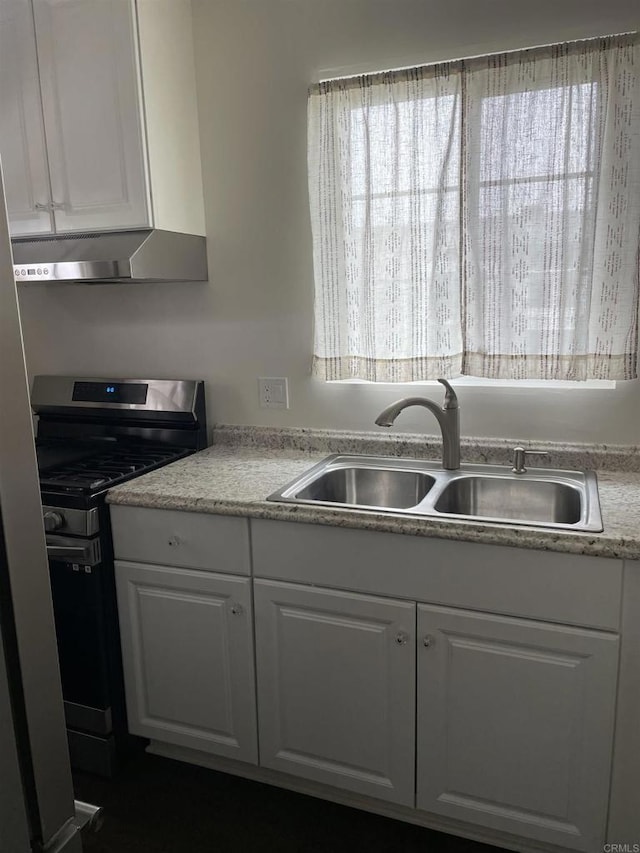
column 92, row 474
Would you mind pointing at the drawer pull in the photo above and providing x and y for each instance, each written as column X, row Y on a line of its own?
column 174, row 541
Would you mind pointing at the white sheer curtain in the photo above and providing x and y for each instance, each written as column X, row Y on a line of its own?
column 480, row 217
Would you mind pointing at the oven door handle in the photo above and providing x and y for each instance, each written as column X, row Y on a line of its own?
column 62, row 551
column 84, row 551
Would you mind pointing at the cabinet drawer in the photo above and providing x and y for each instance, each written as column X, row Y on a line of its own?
column 187, row 539
column 567, row 588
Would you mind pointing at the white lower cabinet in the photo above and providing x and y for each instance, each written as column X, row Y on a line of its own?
column 515, row 724
column 336, row 688
column 187, row 645
column 480, row 712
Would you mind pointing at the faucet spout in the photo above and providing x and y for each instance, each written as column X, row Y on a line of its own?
column 448, row 418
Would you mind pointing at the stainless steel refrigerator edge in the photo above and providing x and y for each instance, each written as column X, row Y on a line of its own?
column 33, row 748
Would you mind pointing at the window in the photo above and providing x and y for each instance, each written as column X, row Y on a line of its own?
column 479, row 218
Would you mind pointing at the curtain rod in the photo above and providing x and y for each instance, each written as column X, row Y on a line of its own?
column 399, row 69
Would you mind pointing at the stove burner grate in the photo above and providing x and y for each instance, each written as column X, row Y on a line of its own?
column 105, row 469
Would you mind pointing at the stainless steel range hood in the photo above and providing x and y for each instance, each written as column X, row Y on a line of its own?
column 111, row 257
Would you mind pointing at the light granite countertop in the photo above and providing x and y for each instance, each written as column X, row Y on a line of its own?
column 245, row 465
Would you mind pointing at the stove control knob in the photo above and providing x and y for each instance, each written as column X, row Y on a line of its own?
column 52, row 521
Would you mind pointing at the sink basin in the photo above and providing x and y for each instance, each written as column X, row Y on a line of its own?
column 541, row 497
column 510, row 499
column 375, row 487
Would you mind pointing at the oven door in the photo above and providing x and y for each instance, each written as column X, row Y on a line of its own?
column 80, row 605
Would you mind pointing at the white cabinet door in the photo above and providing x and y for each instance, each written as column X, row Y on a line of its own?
column 515, row 725
column 336, row 688
column 187, row 646
column 92, row 111
column 22, row 143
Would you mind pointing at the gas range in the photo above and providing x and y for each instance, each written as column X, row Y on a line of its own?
column 96, row 433
column 93, row 434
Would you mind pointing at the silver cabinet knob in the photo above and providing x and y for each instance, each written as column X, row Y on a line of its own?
column 237, row 609
column 428, row 641
column 52, row 521
column 174, row 541
column 402, row 638
column 50, row 205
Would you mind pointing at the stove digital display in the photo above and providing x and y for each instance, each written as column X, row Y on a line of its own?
column 110, row 392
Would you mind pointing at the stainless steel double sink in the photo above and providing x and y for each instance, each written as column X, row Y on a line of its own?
column 542, row 497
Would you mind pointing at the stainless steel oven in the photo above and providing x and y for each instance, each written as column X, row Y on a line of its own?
column 93, row 434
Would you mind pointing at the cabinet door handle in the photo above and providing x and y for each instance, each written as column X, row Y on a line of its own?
column 428, row 641
column 174, row 541
column 237, row 609
column 50, row 205
column 402, row 638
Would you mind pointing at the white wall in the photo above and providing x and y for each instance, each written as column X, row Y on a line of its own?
column 255, row 60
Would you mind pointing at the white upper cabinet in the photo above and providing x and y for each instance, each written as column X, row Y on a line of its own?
column 116, row 93
column 22, row 143
column 90, row 98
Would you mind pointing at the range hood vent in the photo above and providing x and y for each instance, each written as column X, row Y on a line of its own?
column 111, row 257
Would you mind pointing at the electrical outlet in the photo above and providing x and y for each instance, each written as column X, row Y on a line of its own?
column 273, row 392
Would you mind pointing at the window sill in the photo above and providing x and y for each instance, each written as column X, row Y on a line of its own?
column 476, row 382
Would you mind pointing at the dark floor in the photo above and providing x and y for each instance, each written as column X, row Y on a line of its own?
column 162, row 806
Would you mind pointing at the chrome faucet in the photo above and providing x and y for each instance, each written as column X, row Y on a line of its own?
column 448, row 417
